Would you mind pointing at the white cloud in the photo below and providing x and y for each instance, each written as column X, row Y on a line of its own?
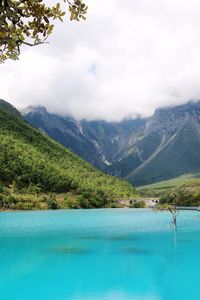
column 128, row 58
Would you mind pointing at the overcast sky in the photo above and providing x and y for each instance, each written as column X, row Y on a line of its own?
column 128, row 58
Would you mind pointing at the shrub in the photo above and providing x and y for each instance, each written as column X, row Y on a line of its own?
column 139, row 204
column 52, row 203
column 90, row 199
column 1, row 189
column 71, row 202
column 24, row 205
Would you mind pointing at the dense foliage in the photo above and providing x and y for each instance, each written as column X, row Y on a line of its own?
column 139, row 204
column 32, row 163
column 181, row 191
column 31, row 22
column 190, row 182
column 181, row 197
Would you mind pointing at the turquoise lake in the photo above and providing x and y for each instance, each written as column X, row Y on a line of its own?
column 106, row 254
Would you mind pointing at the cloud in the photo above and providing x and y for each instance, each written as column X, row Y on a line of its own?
column 128, row 58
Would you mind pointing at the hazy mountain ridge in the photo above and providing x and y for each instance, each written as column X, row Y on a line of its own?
column 144, row 151
column 177, row 131
column 99, row 142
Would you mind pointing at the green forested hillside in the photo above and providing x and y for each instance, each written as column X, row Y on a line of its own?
column 31, row 163
column 7, row 107
column 183, row 190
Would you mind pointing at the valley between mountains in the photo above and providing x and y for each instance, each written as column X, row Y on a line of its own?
column 142, row 151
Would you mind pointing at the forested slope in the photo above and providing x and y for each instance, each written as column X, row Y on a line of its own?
column 31, row 161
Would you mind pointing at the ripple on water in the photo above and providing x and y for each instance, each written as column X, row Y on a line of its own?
column 109, row 238
column 137, row 251
column 185, row 241
column 68, row 250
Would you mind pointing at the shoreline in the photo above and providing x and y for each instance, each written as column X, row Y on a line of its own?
column 74, row 209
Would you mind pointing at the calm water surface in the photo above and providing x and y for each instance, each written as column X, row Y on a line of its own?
column 113, row 254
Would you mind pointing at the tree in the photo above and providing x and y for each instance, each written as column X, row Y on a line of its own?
column 52, row 203
column 139, row 204
column 174, row 212
column 30, row 22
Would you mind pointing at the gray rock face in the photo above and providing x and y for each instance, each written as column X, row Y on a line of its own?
column 141, row 150
column 170, row 145
column 99, row 142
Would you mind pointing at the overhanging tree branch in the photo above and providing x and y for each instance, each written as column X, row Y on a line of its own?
column 29, row 22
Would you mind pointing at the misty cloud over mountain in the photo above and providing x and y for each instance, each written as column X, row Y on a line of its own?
column 124, row 61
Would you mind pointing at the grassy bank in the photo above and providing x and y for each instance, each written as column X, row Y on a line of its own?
column 184, row 190
column 189, row 181
column 10, row 200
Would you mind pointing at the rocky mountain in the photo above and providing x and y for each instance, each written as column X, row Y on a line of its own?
column 169, row 146
column 99, row 142
column 143, row 151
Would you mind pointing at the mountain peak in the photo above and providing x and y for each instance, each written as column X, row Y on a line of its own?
column 6, row 106
column 165, row 145
column 34, row 109
column 184, row 108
